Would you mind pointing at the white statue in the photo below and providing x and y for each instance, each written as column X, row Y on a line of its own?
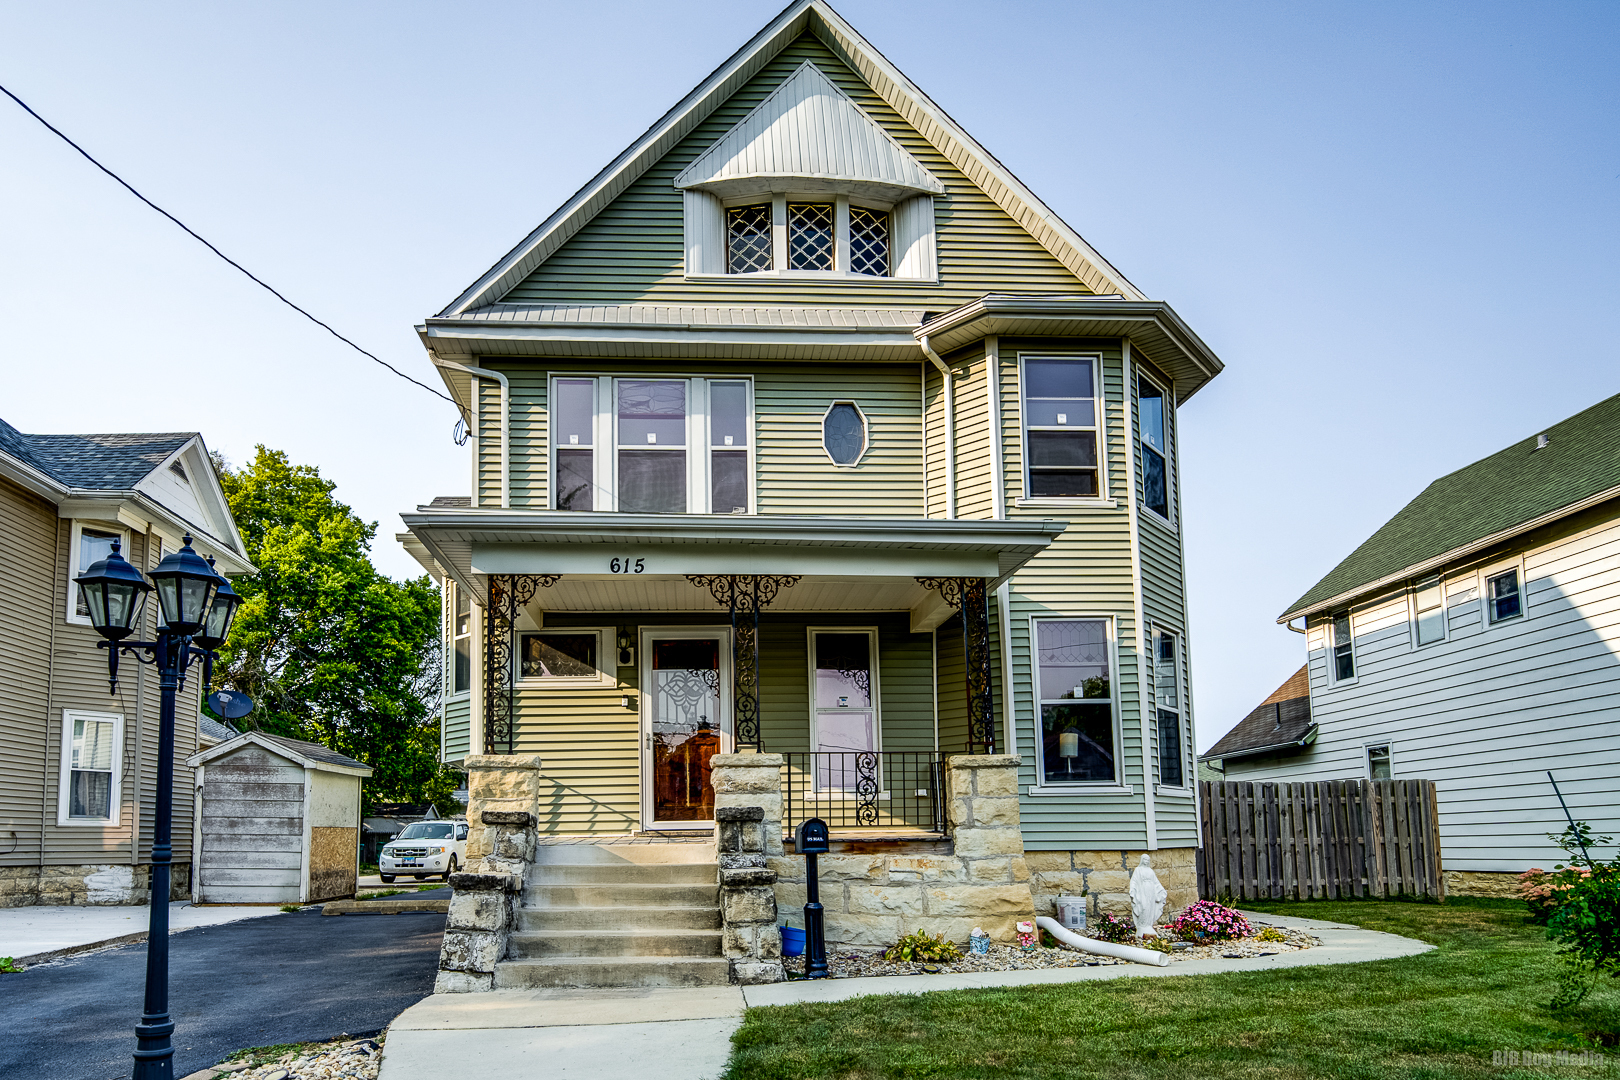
column 1147, row 898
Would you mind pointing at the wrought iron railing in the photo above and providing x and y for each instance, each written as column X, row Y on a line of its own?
column 872, row 794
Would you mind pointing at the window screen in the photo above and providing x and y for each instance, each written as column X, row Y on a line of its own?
column 90, row 773
column 652, row 446
column 1060, row 427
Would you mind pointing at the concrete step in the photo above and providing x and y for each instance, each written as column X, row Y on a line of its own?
column 622, row 854
column 557, row 944
column 622, row 895
column 617, row 917
column 613, row 971
column 600, row 873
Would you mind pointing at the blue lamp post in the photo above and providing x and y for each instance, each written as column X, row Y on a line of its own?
column 196, row 606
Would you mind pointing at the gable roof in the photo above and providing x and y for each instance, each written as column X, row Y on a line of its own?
column 114, row 462
column 927, row 118
column 1281, row 721
column 1497, row 497
column 308, row 754
column 807, row 127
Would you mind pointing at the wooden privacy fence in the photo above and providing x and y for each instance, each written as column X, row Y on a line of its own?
column 1328, row 839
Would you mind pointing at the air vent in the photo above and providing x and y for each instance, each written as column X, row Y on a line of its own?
column 1542, row 441
column 179, row 470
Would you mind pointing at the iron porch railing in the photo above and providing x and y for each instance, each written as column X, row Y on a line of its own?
column 874, row 793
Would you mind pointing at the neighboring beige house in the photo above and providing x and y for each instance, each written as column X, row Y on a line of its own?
column 80, row 763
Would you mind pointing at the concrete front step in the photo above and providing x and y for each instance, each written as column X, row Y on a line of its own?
column 597, row 873
column 620, row 895
column 613, row 971
column 617, row 917
column 635, row 941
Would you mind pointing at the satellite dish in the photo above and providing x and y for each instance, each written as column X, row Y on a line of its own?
column 231, row 704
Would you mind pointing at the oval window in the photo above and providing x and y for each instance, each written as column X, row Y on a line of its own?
column 843, row 433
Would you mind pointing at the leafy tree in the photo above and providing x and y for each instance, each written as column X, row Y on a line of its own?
column 330, row 649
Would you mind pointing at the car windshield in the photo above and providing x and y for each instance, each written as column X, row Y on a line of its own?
column 423, row 830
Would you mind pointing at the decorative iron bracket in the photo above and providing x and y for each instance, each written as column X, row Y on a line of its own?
column 507, row 593
column 744, row 595
column 970, row 597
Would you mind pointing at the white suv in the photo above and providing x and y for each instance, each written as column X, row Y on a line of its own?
column 423, row 848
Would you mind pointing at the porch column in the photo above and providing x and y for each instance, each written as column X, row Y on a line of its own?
column 743, row 595
column 507, row 593
column 971, row 599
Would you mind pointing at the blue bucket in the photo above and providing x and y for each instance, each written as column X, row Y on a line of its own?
column 792, row 941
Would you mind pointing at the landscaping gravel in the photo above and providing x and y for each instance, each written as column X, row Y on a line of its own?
column 344, row 1059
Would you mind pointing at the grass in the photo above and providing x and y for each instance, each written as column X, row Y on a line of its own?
column 396, row 892
column 1437, row 1016
column 255, row 1056
column 8, row 966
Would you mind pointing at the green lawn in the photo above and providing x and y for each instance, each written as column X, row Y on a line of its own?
column 1439, row 1015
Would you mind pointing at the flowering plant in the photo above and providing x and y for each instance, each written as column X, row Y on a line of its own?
column 1112, row 928
column 1543, row 892
column 1208, row 921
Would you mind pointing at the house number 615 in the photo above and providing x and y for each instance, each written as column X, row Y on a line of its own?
column 627, row 566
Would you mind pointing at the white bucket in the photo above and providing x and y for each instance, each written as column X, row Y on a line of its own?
column 1071, row 912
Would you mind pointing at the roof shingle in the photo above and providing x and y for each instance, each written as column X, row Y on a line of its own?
column 111, row 462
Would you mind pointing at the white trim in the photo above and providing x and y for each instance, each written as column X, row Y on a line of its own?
column 866, row 433
column 871, row 632
column 1139, row 630
column 645, row 636
column 992, row 388
column 70, row 610
column 1366, row 755
column 115, row 807
column 1098, row 426
column 607, row 648
column 1495, row 569
column 1413, row 614
column 1009, row 710
column 1329, row 634
column 1068, row 504
column 1188, row 764
column 306, row 852
column 1174, row 792
column 1071, row 791
column 1111, row 631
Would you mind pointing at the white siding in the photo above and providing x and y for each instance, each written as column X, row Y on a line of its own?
column 1487, row 712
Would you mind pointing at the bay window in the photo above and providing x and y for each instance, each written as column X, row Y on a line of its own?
column 1151, row 428
column 1060, row 427
column 651, row 446
column 1075, row 738
column 1167, row 699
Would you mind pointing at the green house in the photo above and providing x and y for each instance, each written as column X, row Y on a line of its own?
column 806, row 428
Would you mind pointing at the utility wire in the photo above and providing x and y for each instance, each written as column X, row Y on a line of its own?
column 193, row 233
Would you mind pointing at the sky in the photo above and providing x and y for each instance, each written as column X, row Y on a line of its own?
column 1394, row 222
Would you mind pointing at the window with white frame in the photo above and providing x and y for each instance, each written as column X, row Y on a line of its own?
column 1342, row 643
column 823, row 236
column 1151, row 427
column 1167, row 700
column 1060, row 427
column 1379, row 766
column 460, row 639
column 651, row 445
column 1428, row 610
column 1502, row 598
column 90, row 544
column 843, row 433
column 92, row 750
column 565, row 654
column 1076, row 739
column 844, row 674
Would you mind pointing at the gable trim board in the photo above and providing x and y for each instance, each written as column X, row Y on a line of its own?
column 927, row 118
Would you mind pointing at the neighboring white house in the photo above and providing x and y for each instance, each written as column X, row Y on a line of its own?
column 1474, row 640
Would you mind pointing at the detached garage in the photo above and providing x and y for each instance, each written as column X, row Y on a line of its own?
column 277, row 822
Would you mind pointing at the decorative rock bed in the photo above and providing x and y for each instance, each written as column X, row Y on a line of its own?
column 848, row 964
column 345, row 1059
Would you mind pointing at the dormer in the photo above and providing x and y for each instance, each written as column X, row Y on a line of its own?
column 807, row 185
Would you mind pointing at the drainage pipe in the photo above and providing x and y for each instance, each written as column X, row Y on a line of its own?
column 950, row 426
column 1151, row 957
column 506, row 423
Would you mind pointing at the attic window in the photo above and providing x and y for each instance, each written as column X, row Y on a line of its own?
column 868, row 241
column 748, row 245
column 810, row 236
column 179, row 470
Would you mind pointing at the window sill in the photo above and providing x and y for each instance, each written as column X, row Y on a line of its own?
column 812, row 275
column 600, row 680
column 1153, row 516
column 1174, row 792
column 459, row 695
column 85, row 823
column 1089, row 504
column 1069, row 791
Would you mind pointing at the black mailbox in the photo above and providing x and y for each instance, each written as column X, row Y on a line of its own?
column 812, row 838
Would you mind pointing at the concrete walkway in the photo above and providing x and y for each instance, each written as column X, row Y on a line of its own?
column 37, row 934
column 684, row 1034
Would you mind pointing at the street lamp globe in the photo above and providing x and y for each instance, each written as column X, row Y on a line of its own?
column 185, row 589
column 217, row 626
column 113, row 590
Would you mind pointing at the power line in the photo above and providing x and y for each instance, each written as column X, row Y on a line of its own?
column 194, row 235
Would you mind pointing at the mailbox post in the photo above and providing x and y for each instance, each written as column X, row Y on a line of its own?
column 812, row 841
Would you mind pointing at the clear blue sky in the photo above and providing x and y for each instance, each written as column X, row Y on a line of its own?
column 1395, row 222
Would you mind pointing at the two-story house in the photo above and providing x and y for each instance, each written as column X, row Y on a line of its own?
column 80, row 763
column 1472, row 641
column 805, row 427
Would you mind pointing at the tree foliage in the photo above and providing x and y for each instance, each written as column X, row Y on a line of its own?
column 330, row 649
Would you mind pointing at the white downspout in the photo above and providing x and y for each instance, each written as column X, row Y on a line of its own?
column 506, row 422
column 950, row 427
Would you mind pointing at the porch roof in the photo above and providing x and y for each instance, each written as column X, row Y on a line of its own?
column 847, row 563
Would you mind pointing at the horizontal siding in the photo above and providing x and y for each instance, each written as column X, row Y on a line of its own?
column 973, row 470
column 1486, row 713
column 632, row 252
column 457, row 729
column 28, row 572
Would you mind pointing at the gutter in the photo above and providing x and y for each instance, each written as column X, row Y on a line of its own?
column 1304, row 740
column 506, row 420
column 950, row 426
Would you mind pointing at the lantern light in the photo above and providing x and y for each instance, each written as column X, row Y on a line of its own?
column 185, row 588
column 217, row 626
column 114, row 591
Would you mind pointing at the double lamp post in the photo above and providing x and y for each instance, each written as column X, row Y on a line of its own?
column 196, row 606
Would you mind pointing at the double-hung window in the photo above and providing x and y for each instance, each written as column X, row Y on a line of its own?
column 91, row 753
column 90, row 545
column 1429, row 610
column 646, row 445
column 1379, row 766
column 460, row 639
column 1502, row 599
column 1060, row 427
column 1151, row 426
column 1076, row 723
column 1343, row 644
column 1167, row 697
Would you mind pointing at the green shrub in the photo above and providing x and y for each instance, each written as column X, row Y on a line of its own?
column 1271, row 933
column 1157, row 944
column 8, row 966
column 921, row 945
column 1586, row 920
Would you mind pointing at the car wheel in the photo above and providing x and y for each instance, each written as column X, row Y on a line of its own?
column 419, row 877
column 387, row 879
column 450, row 869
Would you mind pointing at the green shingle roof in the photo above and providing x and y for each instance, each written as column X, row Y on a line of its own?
column 1507, row 489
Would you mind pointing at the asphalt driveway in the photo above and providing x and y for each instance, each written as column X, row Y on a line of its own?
column 289, row 978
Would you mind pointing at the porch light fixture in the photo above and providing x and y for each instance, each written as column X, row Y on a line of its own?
column 196, row 606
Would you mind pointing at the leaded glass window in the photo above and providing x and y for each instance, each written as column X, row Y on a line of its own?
column 868, row 241
column 810, row 236
column 843, row 433
column 748, row 238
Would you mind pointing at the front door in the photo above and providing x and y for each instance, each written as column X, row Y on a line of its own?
column 686, row 718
